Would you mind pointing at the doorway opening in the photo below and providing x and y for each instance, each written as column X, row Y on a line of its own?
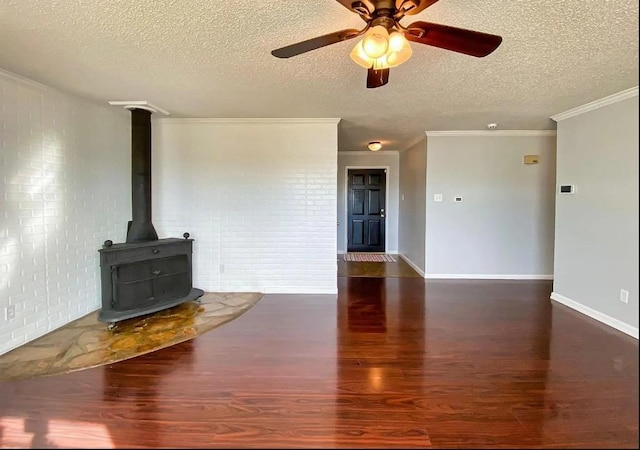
column 366, row 203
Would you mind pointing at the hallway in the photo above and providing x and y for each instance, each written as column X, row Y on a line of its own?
column 398, row 269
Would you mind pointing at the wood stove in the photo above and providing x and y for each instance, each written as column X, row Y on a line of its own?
column 145, row 274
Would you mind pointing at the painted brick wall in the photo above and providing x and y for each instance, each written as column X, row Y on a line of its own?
column 258, row 196
column 65, row 177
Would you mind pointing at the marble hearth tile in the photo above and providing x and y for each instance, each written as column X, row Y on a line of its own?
column 87, row 342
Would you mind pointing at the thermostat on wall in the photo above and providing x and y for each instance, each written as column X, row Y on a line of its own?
column 567, row 188
column 531, row 159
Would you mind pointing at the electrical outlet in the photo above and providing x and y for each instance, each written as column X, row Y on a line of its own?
column 437, row 197
column 624, row 296
column 10, row 312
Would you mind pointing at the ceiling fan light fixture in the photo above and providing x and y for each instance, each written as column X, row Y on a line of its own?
column 385, row 42
column 396, row 58
column 397, row 41
column 376, row 42
column 360, row 57
column 374, row 146
column 391, row 58
column 380, row 63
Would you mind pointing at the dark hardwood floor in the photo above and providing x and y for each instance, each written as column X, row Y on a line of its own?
column 393, row 363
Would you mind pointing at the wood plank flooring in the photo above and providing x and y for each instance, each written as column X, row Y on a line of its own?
column 389, row 363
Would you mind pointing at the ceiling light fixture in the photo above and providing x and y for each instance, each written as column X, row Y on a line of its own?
column 374, row 146
column 385, row 41
column 380, row 49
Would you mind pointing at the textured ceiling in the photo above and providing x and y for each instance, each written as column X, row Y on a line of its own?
column 203, row 58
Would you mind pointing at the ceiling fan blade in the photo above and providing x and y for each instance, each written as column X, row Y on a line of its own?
column 455, row 39
column 314, row 43
column 420, row 5
column 377, row 78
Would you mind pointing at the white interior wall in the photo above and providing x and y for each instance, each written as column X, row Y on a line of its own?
column 372, row 160
column 257, row 195
column 596, row 232
column 504, row 226
column 65, row 171
column 413, row 203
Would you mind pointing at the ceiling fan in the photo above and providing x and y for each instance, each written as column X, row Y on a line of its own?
column 385, row 45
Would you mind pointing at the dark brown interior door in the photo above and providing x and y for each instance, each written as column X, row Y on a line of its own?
column 366, row 210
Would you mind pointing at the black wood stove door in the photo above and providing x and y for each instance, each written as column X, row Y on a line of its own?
column 143, row 283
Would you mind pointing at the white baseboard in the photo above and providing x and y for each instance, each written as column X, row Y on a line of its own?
column 299, row 290
column 484, row 276
column 413, row 265
column 597, row 315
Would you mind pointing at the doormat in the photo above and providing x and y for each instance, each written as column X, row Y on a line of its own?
column 368, row 257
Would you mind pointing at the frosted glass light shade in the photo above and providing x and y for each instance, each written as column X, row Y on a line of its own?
column 391, row 58
column 376, row 42
column 397, row 58
column 360, row 57
column 374, row 146
column 397, row 41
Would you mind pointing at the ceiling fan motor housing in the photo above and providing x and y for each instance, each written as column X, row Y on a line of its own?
column 385, row 21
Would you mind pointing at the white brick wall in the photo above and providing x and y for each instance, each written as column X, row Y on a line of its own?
column 65, row 178
column 258, row 197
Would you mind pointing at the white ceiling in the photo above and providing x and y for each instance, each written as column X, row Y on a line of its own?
column 203, row 58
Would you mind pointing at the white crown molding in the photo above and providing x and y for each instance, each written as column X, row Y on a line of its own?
column 366, row 152
column 139, row 104
column 44, row 88
column 597, row 315
column 321, row 120
column 492, row 133
column 19, row 78
column 609, row 100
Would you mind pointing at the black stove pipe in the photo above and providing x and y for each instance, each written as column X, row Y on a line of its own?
column 141, row 229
